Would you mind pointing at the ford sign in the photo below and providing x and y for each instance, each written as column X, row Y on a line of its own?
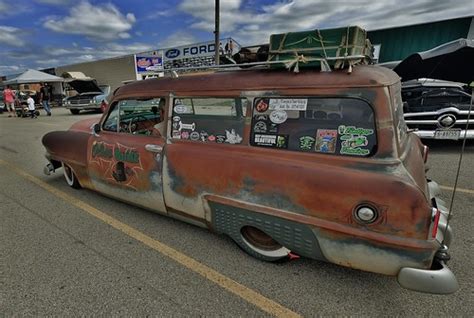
column 172, row 53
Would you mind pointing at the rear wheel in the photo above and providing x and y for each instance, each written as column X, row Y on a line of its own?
column 70, row 177
column 74, row 111
column 260, row 245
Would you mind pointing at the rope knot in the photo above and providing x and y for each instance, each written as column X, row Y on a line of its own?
column 294, row 64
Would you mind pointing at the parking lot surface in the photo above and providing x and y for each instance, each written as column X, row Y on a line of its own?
column 66, row 252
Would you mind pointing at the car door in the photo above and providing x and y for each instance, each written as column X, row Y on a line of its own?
column 124, row 157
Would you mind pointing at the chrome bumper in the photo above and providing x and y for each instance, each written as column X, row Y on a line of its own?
column 438, row 280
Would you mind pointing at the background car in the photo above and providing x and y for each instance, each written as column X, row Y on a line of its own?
column 437, row 109
column 90, row 96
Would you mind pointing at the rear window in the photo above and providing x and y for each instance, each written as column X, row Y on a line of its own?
column 218, row 120
column 342, row 126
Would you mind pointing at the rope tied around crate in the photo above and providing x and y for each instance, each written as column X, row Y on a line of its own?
column 294, row 64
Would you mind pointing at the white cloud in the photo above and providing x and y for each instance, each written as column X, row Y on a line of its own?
column 55, row 2
column 3, row 7
column 11, row 36
column 252, row 23
column 97, row 22
column 178, row 38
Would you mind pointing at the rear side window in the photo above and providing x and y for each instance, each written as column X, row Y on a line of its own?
column 219, row 120
column 342, row 126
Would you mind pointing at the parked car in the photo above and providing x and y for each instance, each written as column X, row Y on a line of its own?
column 90, row 96
column 317, row 164
column 437, row 109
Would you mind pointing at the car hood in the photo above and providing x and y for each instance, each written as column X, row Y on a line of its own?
column 85, row 86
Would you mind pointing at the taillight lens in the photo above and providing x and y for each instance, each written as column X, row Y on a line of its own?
column 436, row 216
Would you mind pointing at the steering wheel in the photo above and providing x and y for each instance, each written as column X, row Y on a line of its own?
column 137, row 121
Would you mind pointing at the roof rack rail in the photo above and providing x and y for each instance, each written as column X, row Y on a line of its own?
column 291, row 65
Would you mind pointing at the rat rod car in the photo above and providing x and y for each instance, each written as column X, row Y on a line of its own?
column 319, row 164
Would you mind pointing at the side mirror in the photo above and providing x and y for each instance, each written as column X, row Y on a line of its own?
column 96, row 129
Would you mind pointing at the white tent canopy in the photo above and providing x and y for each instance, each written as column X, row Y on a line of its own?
column 33, row 76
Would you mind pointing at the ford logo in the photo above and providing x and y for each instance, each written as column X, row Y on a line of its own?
column 172, row 53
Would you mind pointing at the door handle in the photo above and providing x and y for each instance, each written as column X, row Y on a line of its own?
column 154, row 148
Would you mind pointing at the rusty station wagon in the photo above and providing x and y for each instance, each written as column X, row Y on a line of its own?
column 319, row 164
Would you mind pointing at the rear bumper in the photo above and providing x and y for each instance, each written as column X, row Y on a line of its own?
column 437, row 280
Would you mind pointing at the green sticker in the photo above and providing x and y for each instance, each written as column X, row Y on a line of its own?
column 353, row 139
column 307, row 143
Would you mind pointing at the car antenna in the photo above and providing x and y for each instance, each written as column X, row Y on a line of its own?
column 459, row 164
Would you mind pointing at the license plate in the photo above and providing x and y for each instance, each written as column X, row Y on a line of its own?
column 447, row 134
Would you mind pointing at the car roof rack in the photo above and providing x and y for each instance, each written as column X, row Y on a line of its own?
column 340, row 62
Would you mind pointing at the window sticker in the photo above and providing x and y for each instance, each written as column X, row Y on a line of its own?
column 282, row 141
column 265, row 140
column 232, row 137
column 182, row 109
column 182, row 126
column 260, row 127
column 288, row 104
column 194, row 136
column 307, row 143
column 278, row 116
column 262, row 106
column 326, row 140
column 184, row 135
column 353, row 139
column 275, row 141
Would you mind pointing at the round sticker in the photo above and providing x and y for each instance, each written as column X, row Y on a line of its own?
column 278, row 116
column 181, row 109
column 261, row 106
column 194, row 136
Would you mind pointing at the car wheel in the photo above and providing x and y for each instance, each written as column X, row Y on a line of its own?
column 74, row 111
column 70, row 177
column 261, row 246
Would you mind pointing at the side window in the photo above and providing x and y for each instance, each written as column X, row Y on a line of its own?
column 218, row 120
column 342, row 126
column 136, row 116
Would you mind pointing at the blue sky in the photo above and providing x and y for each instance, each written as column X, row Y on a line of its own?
column 47, row 33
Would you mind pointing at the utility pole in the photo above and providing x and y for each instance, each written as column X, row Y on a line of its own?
column 216, row 32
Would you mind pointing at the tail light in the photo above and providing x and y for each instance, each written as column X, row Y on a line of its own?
column 435, row 217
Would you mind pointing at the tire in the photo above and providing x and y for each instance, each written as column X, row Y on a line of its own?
column 74, row 111
column 260, row 245
column 70, row 176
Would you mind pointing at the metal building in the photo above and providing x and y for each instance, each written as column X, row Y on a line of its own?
column 395, row 44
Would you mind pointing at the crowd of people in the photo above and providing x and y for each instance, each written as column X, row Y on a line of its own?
column 14, row 101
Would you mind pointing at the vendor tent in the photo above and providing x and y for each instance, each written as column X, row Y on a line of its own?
column 33, row 76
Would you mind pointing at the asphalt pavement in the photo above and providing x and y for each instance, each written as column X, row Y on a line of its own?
column 66, row 252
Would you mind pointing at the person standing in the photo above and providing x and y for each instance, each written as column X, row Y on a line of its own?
column 9, row 99
column 44, row 98
column 31, row 106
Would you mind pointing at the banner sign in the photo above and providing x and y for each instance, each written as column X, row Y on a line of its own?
column 149, row 64
column 190, row 51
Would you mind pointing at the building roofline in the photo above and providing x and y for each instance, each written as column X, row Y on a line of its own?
column 421, row 23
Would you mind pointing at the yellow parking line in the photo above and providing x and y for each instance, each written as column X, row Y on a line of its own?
column 225, row 282
column 457, row 189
